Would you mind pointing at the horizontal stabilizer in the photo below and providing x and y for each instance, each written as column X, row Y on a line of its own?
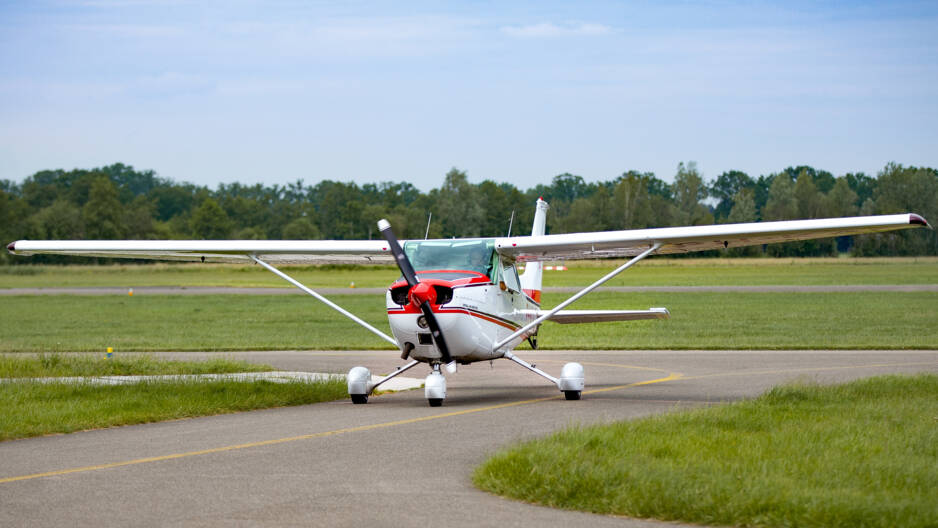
column 602, row 316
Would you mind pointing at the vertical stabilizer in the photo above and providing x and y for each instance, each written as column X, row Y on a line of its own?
column 531, row 278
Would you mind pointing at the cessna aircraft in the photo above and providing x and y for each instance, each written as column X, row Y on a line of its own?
column 462, row 300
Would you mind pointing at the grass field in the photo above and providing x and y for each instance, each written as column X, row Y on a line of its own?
column 651, row 272
column 746, row 320
column 855, row 455
column 700, row 320
column 32, row 408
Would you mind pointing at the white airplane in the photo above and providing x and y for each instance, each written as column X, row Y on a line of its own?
column 462, row 300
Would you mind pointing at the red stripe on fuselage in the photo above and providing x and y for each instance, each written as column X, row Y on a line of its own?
column 485, row 317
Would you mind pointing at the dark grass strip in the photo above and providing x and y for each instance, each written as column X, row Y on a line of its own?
column 32, row 409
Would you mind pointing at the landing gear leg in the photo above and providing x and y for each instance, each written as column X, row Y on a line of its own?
column 570, row 381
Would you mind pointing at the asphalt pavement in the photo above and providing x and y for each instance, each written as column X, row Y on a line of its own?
column 392, row 462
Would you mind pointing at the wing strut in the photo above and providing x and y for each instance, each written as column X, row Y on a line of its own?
column 327, row 302
column 576, row 296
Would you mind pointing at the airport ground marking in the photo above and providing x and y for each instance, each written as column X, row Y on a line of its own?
column 323, row 434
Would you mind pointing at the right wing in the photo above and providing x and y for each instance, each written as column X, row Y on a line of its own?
column 282, row 251
column 603, row 244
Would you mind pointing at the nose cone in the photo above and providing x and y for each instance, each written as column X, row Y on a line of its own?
column 422, row 293
column 11, row 247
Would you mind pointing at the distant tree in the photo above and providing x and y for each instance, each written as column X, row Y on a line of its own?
column 807, row 197
column 103, row 214
column 138, row 219
column 567, row 187
column 761, row 193
column 744, row 211
column 744, row 207
column 209, row 221
column 822, row 179
column 459, row 209
column 59, row 221
column 173, row 200
column 301, row 229
column 841, row 200
column 782, row 203
column 633, row 205
column 250, row 233
column 689, row 190
column 861, row 184
column 726, row 187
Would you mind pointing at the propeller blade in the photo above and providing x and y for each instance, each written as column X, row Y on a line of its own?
column 436, row 333
column 403, row 263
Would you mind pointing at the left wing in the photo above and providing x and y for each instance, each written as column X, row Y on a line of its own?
column 629, row 243
column 313, row 251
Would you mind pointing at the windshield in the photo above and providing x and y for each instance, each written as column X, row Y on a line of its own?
column 469, row 255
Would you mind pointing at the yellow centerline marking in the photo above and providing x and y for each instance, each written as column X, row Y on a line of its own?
column 614, row 365
column 317, row 435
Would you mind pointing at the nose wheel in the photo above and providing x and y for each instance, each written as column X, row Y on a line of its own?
column 435, row 387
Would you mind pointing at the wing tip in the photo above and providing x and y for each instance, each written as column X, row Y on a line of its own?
column 915, row 219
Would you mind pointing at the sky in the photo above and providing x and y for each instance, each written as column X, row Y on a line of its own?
column 369, row 91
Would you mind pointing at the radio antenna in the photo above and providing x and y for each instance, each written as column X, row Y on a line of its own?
column 511, row 221
column 427, row 233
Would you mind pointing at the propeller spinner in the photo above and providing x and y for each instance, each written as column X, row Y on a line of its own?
column 421, row 295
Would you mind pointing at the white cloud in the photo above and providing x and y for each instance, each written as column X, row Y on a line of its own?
column 551, row 30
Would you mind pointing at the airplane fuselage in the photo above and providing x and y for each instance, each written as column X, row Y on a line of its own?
column 474, row 312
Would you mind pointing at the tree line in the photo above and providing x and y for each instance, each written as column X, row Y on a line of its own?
column 117, row 202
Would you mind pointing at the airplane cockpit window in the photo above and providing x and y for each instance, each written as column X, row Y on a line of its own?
column 452, row 255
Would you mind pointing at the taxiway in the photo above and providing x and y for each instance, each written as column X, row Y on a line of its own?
column 392, row 462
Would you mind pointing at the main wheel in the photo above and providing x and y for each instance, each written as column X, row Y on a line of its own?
column 359, row 398
column 435, row 402
column 571, row 395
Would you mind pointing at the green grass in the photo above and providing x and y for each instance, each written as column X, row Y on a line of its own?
column 651, row 272
column 61, row 365
column 700, row 320
column 855, row 455
column 32, row 409
column 174, row 274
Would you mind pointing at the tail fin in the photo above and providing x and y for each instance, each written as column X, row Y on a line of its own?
column 531, row 278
